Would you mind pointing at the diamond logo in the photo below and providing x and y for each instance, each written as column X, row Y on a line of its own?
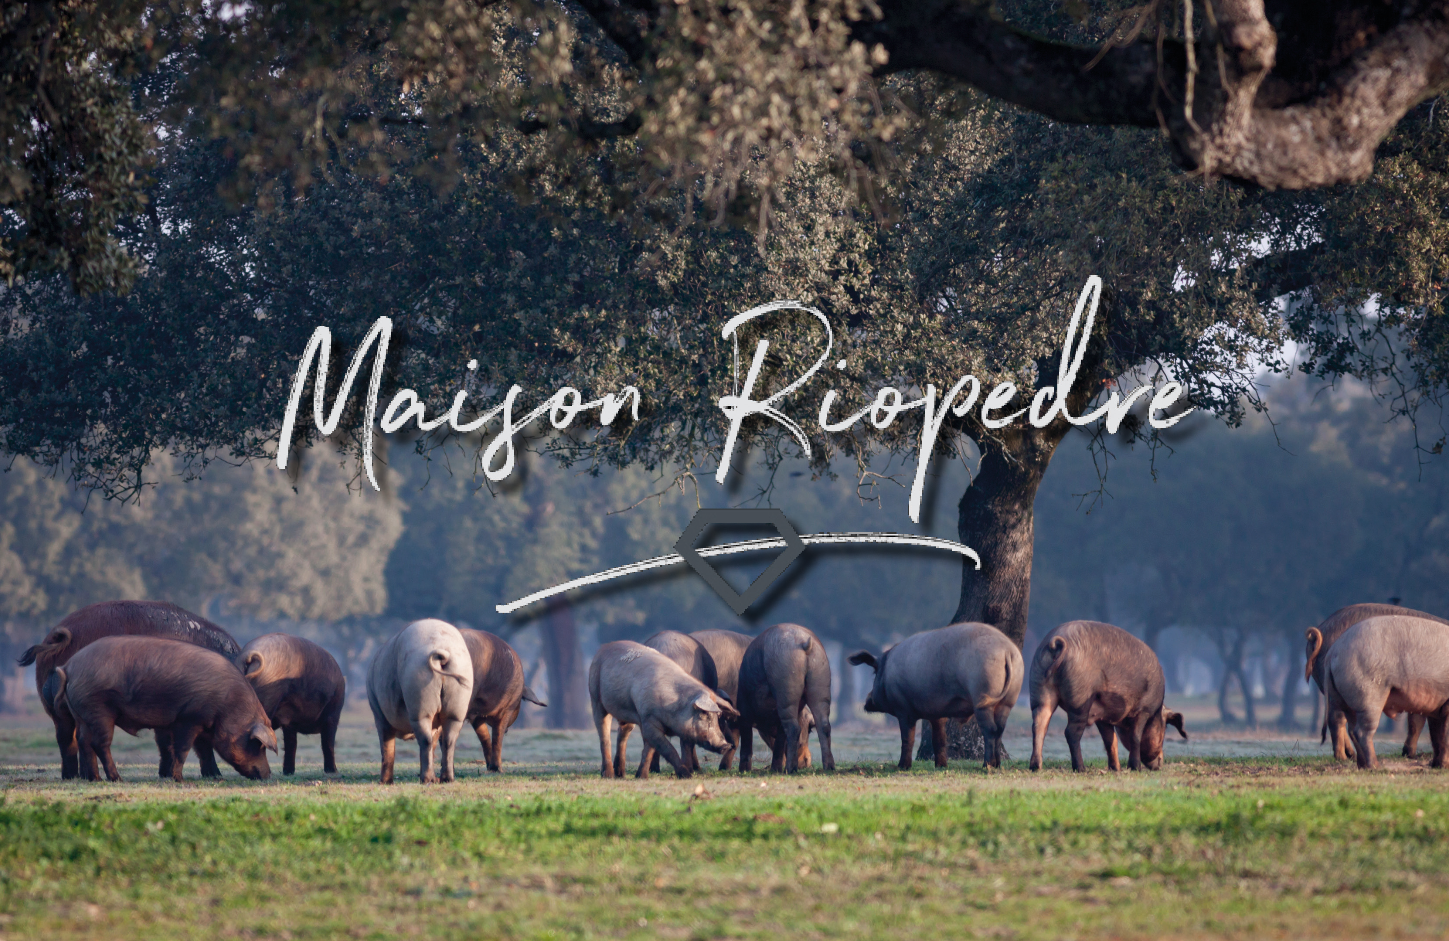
column 703, row 519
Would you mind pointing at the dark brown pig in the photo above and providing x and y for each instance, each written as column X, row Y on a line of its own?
column 302, row 689
column 110, row 619
column 1100, row 673
column 1320, row 641
column 727, row 648
column 156, row 683
column 638, row 685
column 693, row 658
column 954, row 672
column 785, row 671
column 498, row 691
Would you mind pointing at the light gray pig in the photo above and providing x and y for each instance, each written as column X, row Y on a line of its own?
column 420, row 685
column 1320, row 641
column 1100, row 673
column 638, row 685
column 693, row 658
column 949, row 673
column 1390, row 665
column 302, row 689
column 498, row 691
column 728, row 649
column 784, row 671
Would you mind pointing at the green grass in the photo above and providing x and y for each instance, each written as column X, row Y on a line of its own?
column 1208, row 848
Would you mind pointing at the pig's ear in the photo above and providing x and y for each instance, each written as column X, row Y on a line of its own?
column 726, row 707
column 264, row 736
column 1174, row 719
column 862, row 656
column 706, row 703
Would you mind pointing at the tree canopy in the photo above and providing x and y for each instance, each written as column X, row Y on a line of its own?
column 715, row 100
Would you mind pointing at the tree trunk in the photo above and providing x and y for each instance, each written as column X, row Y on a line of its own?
column 1250, row 714
column 1287, row 715
column 996, row 519
column 845, row 700
column 568, row 701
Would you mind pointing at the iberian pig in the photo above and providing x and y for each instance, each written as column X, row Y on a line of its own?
column 1320, row 641
column 420, row 685
column 498, row 691
column 302, row 689
column 157, row 683
column 953, row 672
column 110, row 619
column 638, row 685
column 1390, row 665
column 784, row 671
column 695, row 659
column 727, row 648
column 1100, row 673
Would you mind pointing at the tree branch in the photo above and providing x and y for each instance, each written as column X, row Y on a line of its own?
column 1210, row 103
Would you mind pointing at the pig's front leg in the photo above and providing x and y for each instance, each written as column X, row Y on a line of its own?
column 1109, row 742
column 658, row 740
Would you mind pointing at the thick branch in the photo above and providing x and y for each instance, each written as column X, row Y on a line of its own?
column 1209, row 103
column 961, row 39
column 628, row 30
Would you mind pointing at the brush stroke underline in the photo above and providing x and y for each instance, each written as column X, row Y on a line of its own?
column 733, row 548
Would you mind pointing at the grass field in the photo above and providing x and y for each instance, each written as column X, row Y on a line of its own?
column 1241, row 844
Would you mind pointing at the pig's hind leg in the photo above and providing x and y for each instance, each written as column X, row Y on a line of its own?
column 1076, row 725
column 164, row 748
column 621, row 760
column 602, row 723
column 329, row 741
column 939, row 743
column 426, row 735
column 387, row 744
column 1411, row 741
column 452, row 728
column 88, row 751
column 907, row 723
column 747, row 745
column 1439, row 735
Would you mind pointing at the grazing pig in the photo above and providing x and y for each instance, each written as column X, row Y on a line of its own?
column 157, row 683
column 1100, row 673
column 110, row 619
column 420, row 685
column 728, row 649
column 695, row 659
column 302, row 689
column 950, row 673
column 784, row 671
column 1320, row 641
column 498, row 691
column 1390, row 665
column 638, row 685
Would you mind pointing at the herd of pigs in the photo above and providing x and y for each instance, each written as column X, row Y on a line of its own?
column 151, row 665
